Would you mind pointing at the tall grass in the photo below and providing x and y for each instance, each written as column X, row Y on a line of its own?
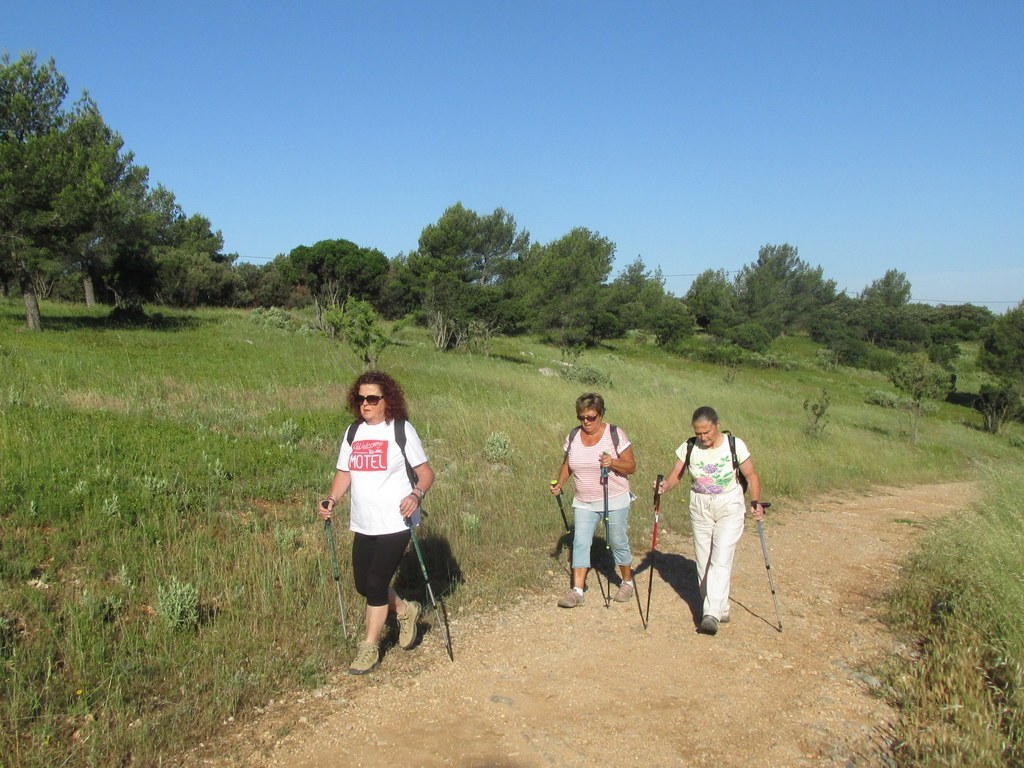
column 161, row 566
column 961, row 692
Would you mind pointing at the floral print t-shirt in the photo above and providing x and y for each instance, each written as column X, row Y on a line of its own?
column 711, row 468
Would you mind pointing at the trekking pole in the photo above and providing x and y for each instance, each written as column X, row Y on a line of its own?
column 565, row 522
column 336, row 570
column 607, row 537
column 654, row 544
column 430, row 593
column 558, row 498
column 768, row 565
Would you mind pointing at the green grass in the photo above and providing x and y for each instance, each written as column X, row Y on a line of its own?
column 961, row 693
column 185, row 458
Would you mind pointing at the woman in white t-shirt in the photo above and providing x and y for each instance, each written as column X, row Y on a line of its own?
column 385, row 505
column 716, row 508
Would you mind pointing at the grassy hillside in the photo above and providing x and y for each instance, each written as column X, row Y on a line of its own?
column 161, row 567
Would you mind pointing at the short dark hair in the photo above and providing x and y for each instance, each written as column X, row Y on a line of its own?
column 394, row 398
column 705, row 413
column 588, row 401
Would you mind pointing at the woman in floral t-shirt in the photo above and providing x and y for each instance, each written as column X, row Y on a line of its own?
column 716, row 508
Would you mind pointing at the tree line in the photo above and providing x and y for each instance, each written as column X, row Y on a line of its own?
column 79, row 220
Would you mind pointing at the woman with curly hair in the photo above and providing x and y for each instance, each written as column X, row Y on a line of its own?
column 385, row 505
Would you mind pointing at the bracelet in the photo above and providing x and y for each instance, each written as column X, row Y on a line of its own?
column 419, row 491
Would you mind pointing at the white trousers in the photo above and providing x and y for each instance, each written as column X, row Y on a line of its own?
column 717, row 523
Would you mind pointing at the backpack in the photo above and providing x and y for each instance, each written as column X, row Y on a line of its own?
column 615, row 439
column 732, row 450
column 350, row 435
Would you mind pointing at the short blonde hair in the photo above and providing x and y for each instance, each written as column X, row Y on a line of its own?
column 590, row 401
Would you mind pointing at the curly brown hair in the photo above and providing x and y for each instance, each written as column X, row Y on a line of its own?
column 394, row 398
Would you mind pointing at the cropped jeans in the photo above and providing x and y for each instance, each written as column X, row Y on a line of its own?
column 586, row 522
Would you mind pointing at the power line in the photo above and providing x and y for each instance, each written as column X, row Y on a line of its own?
column 961, row 301
column 698, row 274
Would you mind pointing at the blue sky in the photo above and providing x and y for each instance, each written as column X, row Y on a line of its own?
column 871, row 135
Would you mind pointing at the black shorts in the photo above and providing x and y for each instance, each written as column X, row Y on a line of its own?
column 375, row 559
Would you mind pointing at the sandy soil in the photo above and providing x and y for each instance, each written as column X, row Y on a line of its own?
column 535, row 685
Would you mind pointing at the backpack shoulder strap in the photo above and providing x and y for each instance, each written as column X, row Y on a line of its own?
column 400, row 439
column 690, row 442
column 735, row 460
column 568, row 441
column 732, row 449
column 350, row 433
column 575, row 431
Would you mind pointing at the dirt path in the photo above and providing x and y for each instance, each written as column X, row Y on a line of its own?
column 535, row 685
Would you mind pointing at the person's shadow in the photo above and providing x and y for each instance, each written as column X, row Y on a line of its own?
column 602, row 564
column 443, row 572
column 562, row 554
column 680, row 573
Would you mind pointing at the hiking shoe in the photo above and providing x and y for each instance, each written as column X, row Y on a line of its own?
column 571, row 600
column 724, row 619
column 407, row 625
column 625, row 593
column 366, row 659
column 708, row 625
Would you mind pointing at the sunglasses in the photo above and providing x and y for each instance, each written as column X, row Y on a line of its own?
column 371, row 399
column 587, row 419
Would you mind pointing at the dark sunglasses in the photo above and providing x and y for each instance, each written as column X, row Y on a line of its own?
column 371, row 399
column 587, row 419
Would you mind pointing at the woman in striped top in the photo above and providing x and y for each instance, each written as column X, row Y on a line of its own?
column 589, row 449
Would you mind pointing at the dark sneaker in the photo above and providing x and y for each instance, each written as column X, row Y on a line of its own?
column 708, row 625
column 625, row 593
column 407, row 625
column 366, row 659
column 571, row 600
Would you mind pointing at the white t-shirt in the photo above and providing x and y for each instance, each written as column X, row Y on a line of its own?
column 711, row 468
column 379, row 480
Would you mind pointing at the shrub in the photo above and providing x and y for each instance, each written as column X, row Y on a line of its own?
column 885, row 399
column 272, row 318
column 177, row 603
column 880, row 360
column 997, row 403
column 585, row 373
column 773, row 362
column 498, row 447
column 920, row 379
column 817, row 413
column 359, row 325
column 722, row 354
column 827, row 358
column 750, row 336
